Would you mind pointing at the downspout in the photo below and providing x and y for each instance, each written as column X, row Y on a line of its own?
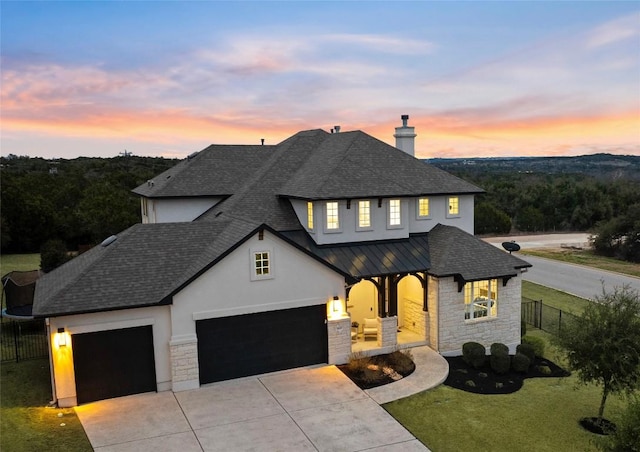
column 52, row 371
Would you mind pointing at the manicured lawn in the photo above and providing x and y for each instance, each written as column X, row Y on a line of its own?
column 588, row 258
column 555, row 298
column 20, row 262
column 26, row 422
column 542, row 416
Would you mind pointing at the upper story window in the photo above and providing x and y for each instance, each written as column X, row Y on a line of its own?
column 454, row 206
column 333, row 220
column 262, row 265
column 481, row 299
column 364, row 214
column 395, row 218
column 310, row 215
column 423, row 208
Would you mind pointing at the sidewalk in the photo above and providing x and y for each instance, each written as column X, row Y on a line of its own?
column 431, row 370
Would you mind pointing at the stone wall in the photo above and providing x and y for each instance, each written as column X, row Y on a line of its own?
column 454, row 330
column 387, row 331
column 433, row 305
column 339, row 340
column 184, row 364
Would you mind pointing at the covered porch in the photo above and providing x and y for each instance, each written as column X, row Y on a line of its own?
column 388, row 312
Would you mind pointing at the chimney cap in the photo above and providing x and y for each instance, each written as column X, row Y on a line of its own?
column 403, row 117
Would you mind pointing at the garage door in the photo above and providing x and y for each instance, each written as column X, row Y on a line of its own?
column 238, row 346
column 113, row 363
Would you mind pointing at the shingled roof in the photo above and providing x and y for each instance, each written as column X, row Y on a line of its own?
column 457, row 253
column 149, row 263
column 145, row 266
column 219, row 170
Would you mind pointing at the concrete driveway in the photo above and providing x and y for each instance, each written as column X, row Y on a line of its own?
column 314, row 409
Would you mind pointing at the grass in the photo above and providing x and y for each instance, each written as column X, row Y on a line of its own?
column 19, row 262
column 551, row 297
column 587, row 258
column 27, row 423
column 542, row 416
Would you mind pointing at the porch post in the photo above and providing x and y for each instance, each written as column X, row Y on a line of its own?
column 393, row 295
column 425, row 296
column 382, row 292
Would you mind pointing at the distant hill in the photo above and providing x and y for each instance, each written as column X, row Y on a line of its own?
column 604, row 166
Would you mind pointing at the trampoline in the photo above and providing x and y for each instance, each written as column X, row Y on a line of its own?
column 19, row 289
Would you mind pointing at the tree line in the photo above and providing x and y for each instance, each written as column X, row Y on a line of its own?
column 79, row 202
column 82, row 201
column 536, row 203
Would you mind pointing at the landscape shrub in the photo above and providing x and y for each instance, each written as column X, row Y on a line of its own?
column 401, row 362
column 500, row 361
column 498, row 347
column 537, row 344
column 474, row 354
column 528, row 350
column 520, row 362
column 358, row 362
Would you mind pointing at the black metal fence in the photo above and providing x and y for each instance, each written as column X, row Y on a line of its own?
column 544, row 317
column 22, row 340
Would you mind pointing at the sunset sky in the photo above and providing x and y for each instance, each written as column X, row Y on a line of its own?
column 478, row 79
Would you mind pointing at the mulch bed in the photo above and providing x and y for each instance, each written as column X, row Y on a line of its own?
column 378, row 374
column 485, row 381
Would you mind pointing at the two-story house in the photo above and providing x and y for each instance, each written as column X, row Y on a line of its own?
column 252, row 259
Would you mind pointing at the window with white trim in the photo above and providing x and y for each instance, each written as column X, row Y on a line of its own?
column 333, row 220
column 364, row 214
column 310, row 216
column 423, row 208
column 481, row 299
column 261, row 265
column 454, row 206
column 395, row 218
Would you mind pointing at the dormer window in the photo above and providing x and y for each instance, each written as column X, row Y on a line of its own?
column 332, row 212
column 454, row 206
column 395, row 218
column 310, row 216
column 364, row 214
column 423, row 208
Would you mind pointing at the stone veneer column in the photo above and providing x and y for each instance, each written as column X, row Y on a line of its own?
column 339, row 338
column 387, row 331
column 184, row 363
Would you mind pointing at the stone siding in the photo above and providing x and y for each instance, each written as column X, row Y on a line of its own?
column 184, row 365
column 339, row 338
column 454, row 330
column 433, row 305
column 387, row 331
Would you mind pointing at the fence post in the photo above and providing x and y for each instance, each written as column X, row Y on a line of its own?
column 540, row 326
column 559, row 321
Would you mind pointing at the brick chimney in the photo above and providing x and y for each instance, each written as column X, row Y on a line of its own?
column 405, row 137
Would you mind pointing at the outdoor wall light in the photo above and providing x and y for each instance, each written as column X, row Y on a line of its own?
column 62, row 338
column 336, row 304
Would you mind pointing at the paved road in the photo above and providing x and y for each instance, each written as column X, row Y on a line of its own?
column 582, row 281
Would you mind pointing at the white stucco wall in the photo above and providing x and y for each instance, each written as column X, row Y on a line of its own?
column 379, row 230
column 454, row 330
column 176, row 210
column 227, row 288
column 438, row 213
column 62, row 357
